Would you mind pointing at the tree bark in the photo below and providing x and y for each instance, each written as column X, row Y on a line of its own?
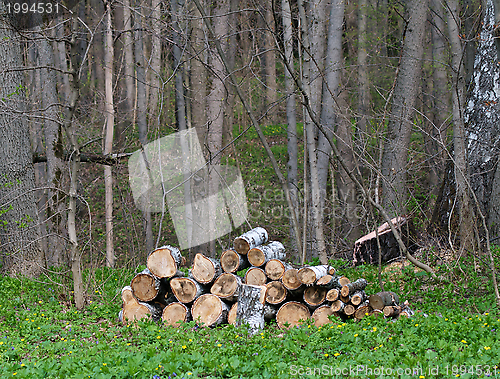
column 394, row 161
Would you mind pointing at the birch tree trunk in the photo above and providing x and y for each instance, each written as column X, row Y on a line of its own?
column 20, row 234
column 109, row 131
column 394, row 160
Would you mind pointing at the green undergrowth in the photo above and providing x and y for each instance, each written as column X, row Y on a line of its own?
column 42, row 335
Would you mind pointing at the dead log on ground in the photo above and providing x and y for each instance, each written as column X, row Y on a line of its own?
column 314, row 296
column 291, row 281
column 310, row 275
column 363, row 310
column 251, row 308
column 145, row 286
column 135, row 310
column 275, row 269
column 352, row 287
column 338, row 306
column 186, row 290
column 333, row 295
column 328, row 282
column 358, row 297
column 276, row 292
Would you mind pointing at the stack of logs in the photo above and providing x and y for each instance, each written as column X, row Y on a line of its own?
column 212, row 293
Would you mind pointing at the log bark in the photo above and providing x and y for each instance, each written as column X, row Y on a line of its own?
column 276, row 292
column 366, row 248
column 292, row 314
column 392, row 310
column 164, row 261
column 186, row 290
column 314, row 296
column 270, row 312
column 275, row 269
column 333, row 294
column 321, row 314
column 329, row 282
column 260, row 255
column 145, row 286
column 227, row 287
column 250, row 239
column 310, row 275
column 175, row 313
column 205, row 270
column 209, row 310
column 135, row 310
column 251, row 308
column 350, row 288
column 255, row 276
column 383, row 299
column 232, row 262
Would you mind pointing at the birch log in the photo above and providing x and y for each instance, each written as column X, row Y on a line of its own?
column 135, row 310
column 145, row 286
column 321, row 314
column 292, row 314
column 164, row 261
column 350, row 288
column 260, row 255
column 231, row 316
column 329, row 282
column 383, row 299
column 250, row 239
column 333, row 294
column 232, row 262
column 205, row 270
column 255, row 276
column 276, row 292
column 175, row 313
column 186, row 290
column 314, row 296
column 210, row 310
column 310, row 275
column 358, row 297
column 275, row 269
column 227, row 287
column 251, row 308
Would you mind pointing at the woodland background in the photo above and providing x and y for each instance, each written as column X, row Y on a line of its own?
column 371, row 109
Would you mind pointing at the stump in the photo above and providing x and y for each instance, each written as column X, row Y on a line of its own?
column 292, row 314
column 321, row 314
column 186, row 290
column 164, row 261
column 175, row 313
column 210, row 310
column 276, row 292
column 146, row 286
column 250, row 239
column 255, row 277
column 310, row 275
column 275, row 269
column 205, row 270
column 251, row 308
column 260, row 255
column 233, row 262
column 227, row 287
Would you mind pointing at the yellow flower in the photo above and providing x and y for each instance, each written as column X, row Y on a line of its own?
column 184, row 346
column 1, row 342
column 336, row 354
column 421, row 377
column 374, row 329
column 158, row 337
column 22, row 365
column 416, row 324
column 463, row 341
column 445, row 319
column 326, row 355
column 487, row 348
column 38, row 328
column 104, row 364
column 219, row 345
column 190, row 340
column 190, row 373
column 22, row 339
column 15, row 373
column 356, row 335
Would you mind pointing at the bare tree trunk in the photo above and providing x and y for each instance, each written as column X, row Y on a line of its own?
column 56, row 176
column 270, row 64
column 155, row 65
column 109, row 131
column 292, row 148
column 394, row 162
column 363, row 81
column 142, row 121
column 20, row 233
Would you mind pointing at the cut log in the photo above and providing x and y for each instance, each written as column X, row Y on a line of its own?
column 328, row 282
column 135, row 310
column 205, row 270
column 251, row 308
column 358, row 297
column 383, row 299
column 175, row 313
column 227, row 287
column 392, row 311
column 209, row 310
column 255, row 277
column 292, row 314
column 321, row 314
column 366, row 248
column 377, row 313
column 231, row 316
column 275, row 269
column 333, row 294
column 350, row 288
column 164, row 261
column 186, row 290
column 406, row 311
column 314, row 296
column 291, row 280
column 345, row 299
column 146, row 286
column 362, row 311
column 253, row 238
column 270, row 312
column 310, row 275
column 276, row 292
column 343, row 280
column 260, row 255
column 338, row 306
column 349, row 309
column 332, row 271
column 233, row 262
